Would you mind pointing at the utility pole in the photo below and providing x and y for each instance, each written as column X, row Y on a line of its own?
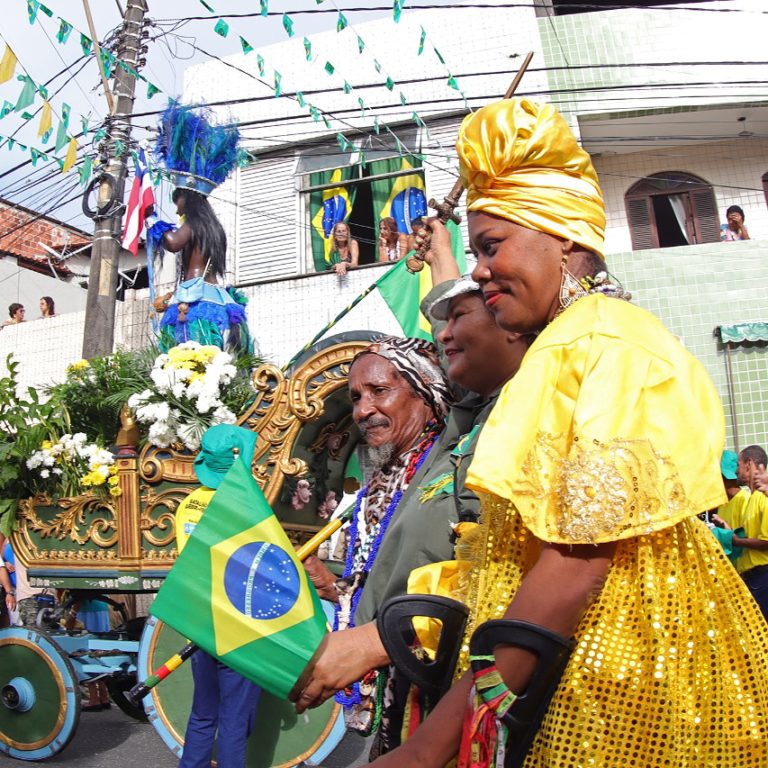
column 99, row 333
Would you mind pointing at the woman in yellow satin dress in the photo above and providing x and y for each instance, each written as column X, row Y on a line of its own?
column 591, row 470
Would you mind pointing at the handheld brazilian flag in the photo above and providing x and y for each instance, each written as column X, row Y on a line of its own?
column 403, row 291
column 239, row 592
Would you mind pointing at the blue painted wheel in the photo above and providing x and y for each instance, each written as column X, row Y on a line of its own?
column 280, row 738
column 39, row 695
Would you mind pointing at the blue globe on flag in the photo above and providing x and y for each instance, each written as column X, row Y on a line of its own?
column 262, row 581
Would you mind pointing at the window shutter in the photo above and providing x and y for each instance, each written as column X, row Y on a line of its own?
column 705, row 216
column 640, row 223
column 267, row 236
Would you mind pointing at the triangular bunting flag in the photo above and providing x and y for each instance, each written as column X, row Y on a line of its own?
column 27, row 95
column 45, row 120
column 71, row 157
column 7, row 65
column 65, row 30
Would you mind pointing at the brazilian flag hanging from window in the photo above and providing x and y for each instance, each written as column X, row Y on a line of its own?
column 239, row 592
column 401, row 197
column 327, row 207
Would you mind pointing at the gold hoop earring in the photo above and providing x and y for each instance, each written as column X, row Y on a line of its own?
column 571, row 290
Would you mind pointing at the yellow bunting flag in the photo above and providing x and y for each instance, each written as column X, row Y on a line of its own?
column 46, row 121
column 7, row 65
column 71, row 157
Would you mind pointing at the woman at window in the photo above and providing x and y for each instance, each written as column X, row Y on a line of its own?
column 345, row 250
column 393, row 245
column 47, row 307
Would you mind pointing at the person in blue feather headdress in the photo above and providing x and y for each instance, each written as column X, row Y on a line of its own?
column 199, row 156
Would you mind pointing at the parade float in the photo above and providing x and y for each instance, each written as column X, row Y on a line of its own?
column 105, row 526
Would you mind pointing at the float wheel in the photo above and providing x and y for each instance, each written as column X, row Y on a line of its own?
column 39, row 695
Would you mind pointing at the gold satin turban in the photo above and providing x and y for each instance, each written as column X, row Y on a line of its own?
column 519, row 160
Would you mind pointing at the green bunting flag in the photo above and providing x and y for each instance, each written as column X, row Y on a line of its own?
column 108, row 60
column 119, row 148
column 315, row 112
column 341, row 22
column 347, row 87
column 7, row 109
column 329, row 68
column 84, row 125
column 221, row 28
column 33, row 6
column 100, row 135
column 278, row 81
column 65, row 30
column 207, row 7
column 403, row 100
column 27, row 95
column 403, row 291
column 288, row 24
column 37, row 155
column 300, row 99
column 61, row 135
column 360, row 44
column 46, row 10
column 256, row 609
column 452, row 83
column 260, row 64
column 343, row 143
column 376, row 125
column 85, row 44
column 84, row 171
column 397, row 9
column 247, row 47
column 416, row 119
column 307, row 49
column 264, row 7
column 151, row 90
column 422, row 40
column 390, row 83
column 376, row 66
column 438, row 54
column 362, row 106
column 326, row 122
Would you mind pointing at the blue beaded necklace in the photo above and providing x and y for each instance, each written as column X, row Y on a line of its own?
column 355, row 697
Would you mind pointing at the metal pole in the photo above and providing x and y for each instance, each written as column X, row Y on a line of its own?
column 98, row 337
column 731, row 395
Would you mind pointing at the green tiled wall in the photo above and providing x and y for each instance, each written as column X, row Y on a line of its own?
column 697, row 288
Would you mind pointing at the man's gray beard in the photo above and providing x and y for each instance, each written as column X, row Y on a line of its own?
column 375, row 458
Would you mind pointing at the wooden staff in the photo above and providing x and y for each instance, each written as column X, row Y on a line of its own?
column 446, row 211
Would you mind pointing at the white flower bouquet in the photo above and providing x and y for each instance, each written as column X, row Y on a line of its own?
column 187, row 396
column 71, row 464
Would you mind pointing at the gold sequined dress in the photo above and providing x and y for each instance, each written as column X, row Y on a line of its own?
column 611, row 431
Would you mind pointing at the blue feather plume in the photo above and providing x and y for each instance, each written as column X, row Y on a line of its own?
column 190, row 142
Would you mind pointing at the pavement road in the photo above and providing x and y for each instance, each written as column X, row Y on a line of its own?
column 111, row 739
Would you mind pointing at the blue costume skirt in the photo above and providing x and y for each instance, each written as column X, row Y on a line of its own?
column 212, row 317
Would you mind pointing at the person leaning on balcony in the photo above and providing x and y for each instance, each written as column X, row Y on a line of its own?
column 47, row 307
column 16, row 314
column 345, row 251
column 734, row 228
column 591, row 470
column 393, row 244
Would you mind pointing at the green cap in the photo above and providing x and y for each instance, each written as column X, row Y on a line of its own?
column 728, row 463
column 217, row 452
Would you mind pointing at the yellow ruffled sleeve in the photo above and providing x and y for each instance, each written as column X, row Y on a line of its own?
column 609, row 430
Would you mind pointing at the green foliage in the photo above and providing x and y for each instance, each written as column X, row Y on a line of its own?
column 25, row 422
column 95, row 391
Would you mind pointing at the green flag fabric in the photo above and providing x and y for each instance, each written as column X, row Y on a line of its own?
column 403, row 291
column 238, row 591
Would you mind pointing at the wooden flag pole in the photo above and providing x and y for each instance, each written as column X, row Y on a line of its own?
column 446, row 211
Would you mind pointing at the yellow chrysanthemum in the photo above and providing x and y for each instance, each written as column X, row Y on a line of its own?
column 115, row 491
